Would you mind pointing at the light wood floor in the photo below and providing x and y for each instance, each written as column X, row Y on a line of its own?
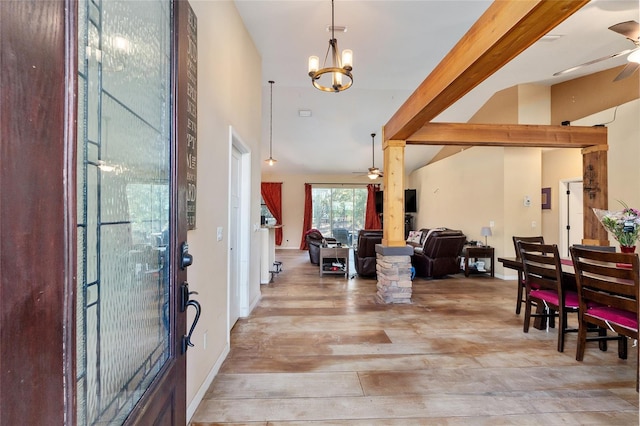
column 323, row 352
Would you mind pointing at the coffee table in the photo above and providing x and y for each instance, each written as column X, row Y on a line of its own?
column 330, row 257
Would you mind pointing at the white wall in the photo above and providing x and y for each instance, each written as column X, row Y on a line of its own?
column 623, row 155
column 477, row 186
column 624, row 151
column 229, row 94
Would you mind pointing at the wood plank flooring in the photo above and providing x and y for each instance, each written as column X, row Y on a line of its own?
column 321, row 351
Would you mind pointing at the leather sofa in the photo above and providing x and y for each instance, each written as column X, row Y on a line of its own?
column 314, row 241
column 365, row 252
column 438, row 253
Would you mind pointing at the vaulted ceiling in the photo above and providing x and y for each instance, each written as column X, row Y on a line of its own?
column 396, row 44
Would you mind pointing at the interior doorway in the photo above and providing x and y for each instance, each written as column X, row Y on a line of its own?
column 239, row 227
column 571, row 213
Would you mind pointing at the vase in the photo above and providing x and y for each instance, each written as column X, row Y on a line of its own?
column 628, row 249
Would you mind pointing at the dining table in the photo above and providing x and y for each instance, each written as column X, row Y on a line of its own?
column 516, row 264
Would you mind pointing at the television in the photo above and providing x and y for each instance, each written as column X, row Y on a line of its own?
column 410, row 201
column 379, row 202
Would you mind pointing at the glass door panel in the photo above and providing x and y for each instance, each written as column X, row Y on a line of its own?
column 123, row 204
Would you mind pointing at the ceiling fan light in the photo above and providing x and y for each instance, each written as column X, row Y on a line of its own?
column 634, row 56
column 372, row 176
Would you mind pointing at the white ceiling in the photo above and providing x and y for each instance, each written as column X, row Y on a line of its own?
column 395, row 45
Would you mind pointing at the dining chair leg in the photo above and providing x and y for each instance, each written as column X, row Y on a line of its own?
column 582, row 340
column 562, row 325
column 527, row 315
column 519, row 300
column 602, row 344
column 638, row 370
column 622, row 347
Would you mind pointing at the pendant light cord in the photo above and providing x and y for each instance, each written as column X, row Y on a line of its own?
column 271, row 119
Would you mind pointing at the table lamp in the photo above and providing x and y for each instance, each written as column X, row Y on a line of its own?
column 485, row 232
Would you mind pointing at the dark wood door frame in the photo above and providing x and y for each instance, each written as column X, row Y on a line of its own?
column 38, row 58
column 37, row 203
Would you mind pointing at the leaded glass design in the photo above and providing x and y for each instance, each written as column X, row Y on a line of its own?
column 123, row 204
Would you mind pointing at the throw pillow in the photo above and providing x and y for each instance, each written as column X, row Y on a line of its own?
column 414, row 237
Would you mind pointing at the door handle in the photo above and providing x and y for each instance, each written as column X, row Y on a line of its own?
column 185, row 302
column 185, row 259
column 186, row 339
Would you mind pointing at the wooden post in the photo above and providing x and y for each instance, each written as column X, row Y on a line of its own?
column 596, row 193
column 393, row 198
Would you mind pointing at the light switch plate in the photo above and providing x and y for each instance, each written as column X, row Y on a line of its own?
column 219, row 233
column 527, row 201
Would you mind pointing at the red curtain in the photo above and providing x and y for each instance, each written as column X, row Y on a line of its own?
column 272, row 196
column 371, row 218
column 308, row 215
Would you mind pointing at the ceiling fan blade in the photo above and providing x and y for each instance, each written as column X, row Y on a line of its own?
column 595, row 61
column 629, row 29
column 627, row 71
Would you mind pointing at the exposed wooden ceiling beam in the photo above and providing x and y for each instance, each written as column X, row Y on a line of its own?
column 505, row 29
column 513, row 135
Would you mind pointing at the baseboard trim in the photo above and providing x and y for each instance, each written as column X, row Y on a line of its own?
column 197, row 399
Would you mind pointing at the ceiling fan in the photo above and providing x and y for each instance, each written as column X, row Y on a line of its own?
column 629, row 29
column 373, row 172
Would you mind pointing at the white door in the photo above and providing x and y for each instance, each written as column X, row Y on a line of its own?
column 234, row 237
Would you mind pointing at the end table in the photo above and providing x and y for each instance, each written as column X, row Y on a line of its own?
column 483, row 252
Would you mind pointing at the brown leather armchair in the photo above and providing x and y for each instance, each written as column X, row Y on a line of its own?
column 314, row 241
column 365, row 252
column 439, row 253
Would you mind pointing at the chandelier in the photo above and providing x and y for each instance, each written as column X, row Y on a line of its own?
column 271, row 161
column 338, row 68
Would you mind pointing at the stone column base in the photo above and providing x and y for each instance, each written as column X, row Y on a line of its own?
column 393, row 267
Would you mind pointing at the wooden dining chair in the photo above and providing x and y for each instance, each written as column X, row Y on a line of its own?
column 544, row 286
column 520, row 297
column 608, row 295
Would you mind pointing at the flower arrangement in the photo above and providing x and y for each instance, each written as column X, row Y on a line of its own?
column 624, row 224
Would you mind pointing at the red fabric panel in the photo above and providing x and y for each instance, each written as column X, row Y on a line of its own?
column 272, row 196
column 308, row 216
column 371, row 218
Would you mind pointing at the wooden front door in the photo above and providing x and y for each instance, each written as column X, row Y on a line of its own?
column 93, row 214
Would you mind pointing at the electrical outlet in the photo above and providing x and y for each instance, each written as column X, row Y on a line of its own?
column 533, row 224
column 492, row 224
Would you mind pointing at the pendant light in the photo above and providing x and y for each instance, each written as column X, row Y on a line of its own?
column 271, row 161
column 336, row 69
